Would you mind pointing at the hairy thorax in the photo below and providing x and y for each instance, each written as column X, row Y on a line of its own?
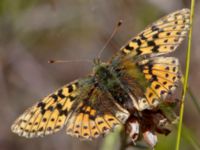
column 108, row 81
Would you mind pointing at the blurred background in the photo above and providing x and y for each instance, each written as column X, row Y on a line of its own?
column 35, row 31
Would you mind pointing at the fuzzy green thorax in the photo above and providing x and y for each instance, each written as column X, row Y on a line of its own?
column 105, row 77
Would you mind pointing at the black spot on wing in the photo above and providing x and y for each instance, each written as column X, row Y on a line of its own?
column 156, row 49
column 128, row 47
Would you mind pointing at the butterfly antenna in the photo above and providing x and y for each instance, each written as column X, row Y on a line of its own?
column 119, row 23
column 69, row 61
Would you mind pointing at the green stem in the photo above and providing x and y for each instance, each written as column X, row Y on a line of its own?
column 186, row 77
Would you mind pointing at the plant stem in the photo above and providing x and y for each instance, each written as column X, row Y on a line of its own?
column 186, row 77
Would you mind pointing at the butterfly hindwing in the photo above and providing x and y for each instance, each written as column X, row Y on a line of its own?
column 96, row 115
column 163, row 73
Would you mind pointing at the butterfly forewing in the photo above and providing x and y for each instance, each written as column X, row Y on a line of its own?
column 160, row 37
column 51, row 114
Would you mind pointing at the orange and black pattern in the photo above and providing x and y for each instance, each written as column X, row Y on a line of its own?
column 77, row 105
column 127, row 90
column 143, row 53
column 49, row 115
column 161, row 37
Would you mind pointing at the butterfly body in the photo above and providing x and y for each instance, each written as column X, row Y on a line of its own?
column 128, row 89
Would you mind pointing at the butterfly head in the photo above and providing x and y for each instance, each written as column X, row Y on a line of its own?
column 99, row 66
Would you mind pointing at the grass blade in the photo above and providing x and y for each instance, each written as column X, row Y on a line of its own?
column 186, row 77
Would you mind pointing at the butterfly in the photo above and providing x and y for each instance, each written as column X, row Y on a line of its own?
column 136, row 80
